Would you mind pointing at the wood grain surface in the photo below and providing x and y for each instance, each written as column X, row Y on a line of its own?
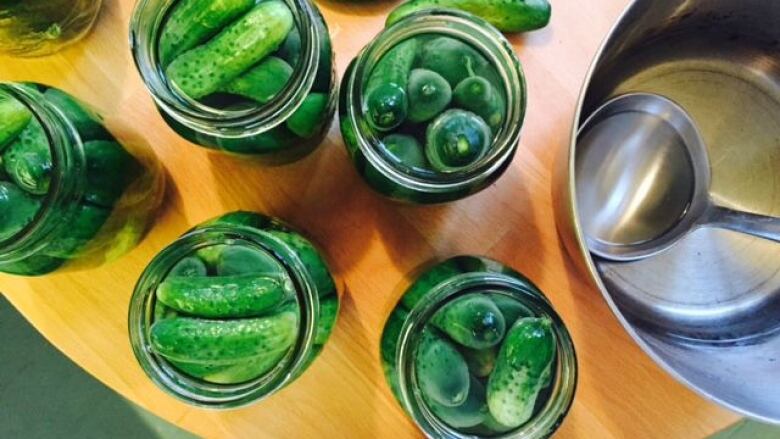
column 371, row 242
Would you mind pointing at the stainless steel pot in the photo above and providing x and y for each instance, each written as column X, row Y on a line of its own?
column 708, row 309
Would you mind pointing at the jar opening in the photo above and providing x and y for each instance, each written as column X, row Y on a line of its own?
column 232, row 121
column 500, row 56
column 200, row 391
column 552, row 402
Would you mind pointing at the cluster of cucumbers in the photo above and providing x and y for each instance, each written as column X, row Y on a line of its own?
column 435, row 102
column 28, row 169
column 228, row 313
column 234, row 53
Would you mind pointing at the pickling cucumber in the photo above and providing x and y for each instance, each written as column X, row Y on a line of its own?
column 217, row 342
column 204, row 69
column 477, row 94
column 191, row 22
column 470, row 413
column 210, row 255
column 263, row 81
column 14, row 117
column 405, row 149
column 110, row 170
column 442, row 373
column 87, row 122
column 311, row 259
column 290, row 50
column 243, row 371
column 241, row 259
column 451, row 58
column 189, row 266
column 505, row 15
column 83, row 225
column 309, row 118
column 429, row 94
column 386, row 99
column 512, row 309
column 525, row 358
column 17, row 209
column 28, row 162
column 456, row 139
column 224, row 296
column 472, row 320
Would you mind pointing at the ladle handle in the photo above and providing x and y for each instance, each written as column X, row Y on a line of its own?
column 762, row 226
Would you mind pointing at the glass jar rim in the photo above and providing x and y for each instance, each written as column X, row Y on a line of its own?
column 145, row 29
column 555, row 409
column 198, row 392
column 67, row 174
column 489, row 42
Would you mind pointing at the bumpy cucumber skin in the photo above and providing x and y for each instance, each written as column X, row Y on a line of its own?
column 216, row 342
column 311, row 259
column 14, row 117
column 17, row 209
column 442, row 373
column 385, row 92
column 477, row 94
column 455, row 139
column 453, row 59
column 525, row 358
column 224, row 296
column 472, row 320
column 28, row 162
column 87, row 122
column 429, row 94
column 204, row 69
column 263, row 81
column 191, row 22
column 471, row 413
column 86, row 222
column 310, row 117
column 505, row 15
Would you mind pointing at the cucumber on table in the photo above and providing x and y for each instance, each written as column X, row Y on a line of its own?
column 472, row 320
column 521, row 371
column 386, row 98
column 191, row 22
column 217, row 342
column 205, row 68
column 14, row 117
column 263, row 81
column 28, row 161
column 442, row 373
column 224, row 296
column 505, row 15
column 17, row 209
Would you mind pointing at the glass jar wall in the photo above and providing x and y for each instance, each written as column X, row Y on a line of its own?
column 474, row 349
column 431, row 109
column 71, row 195
column 232, row 311
column 249, row 78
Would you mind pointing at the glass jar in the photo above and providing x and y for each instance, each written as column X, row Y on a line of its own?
column 276, row 251
column 451, row 47
column 71, row 195
column 41, row 27
column 242, row 116
column 422, row 312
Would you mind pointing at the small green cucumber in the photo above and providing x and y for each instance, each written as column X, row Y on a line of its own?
column 110, row 170
column 28, row 162
column 451, row 58
column 83, row 226
column 242, row 259
column 162, row 312
column 17, row 209
column 247, row 370
column 472, row 320
column 86, row 121
column 224, row 296
column 262, row 82
column 512, row 309
column 477, row 94
column 405, row 149
column 526, row 356
column 216, row 342
column 386, row 100
column 505, row 15
column 310, row 117
column 210, row 255
column 470, row 413
column 456, row 139
column 290, row 50
column 429, row 94
column 312, row 260
column 329, row 310
column 442, row 373
column 192, row 22
column 14, row 117
column 191, row 266
column 204, row 69
column 481, row 361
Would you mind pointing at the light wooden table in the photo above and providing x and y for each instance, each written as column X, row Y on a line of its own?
column 371, row 241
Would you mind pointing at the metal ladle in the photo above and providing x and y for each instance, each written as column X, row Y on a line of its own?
column 643, row 180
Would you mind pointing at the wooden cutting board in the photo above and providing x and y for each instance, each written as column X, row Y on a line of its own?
column 372, row 243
